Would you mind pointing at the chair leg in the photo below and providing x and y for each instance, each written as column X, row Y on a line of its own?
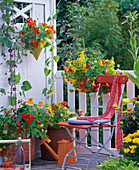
column 102, row 145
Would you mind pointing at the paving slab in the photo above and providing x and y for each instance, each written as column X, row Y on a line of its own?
column 40, row 164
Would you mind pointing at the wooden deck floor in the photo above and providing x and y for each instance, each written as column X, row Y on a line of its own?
column 40, row 164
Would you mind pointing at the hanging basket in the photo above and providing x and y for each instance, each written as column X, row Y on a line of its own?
column 36, row 51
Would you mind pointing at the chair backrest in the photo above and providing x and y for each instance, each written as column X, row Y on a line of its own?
column 109, row 79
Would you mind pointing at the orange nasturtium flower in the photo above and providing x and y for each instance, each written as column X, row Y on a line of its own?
column 100, row 63
column 129, row 109
column 40, row 104
column 51, row 37
column 44, row 24
column 80, row 61
column 134, row 98
column 125, row 111
column 30, row 101
column 137, row 102
column 133, row 117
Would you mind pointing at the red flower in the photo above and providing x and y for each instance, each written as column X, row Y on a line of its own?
column 55, row 108
column 24, row 103
column 35, row 30
column 24, row 116
column 13, row 117
column 22, row 33
column 18, row 129
column 39, row 123
column 70, row 70
column 18, row 123
column 104, row 62
column 28, row 121
column 30, row 116
column 5, row 111
column 64, row 104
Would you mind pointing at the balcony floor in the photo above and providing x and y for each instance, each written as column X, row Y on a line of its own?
column 41, row 164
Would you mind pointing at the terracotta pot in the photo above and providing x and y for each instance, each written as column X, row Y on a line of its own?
column 12, row 149
column 55, row 134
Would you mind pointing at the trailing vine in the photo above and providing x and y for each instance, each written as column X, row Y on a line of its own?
column 11, row 52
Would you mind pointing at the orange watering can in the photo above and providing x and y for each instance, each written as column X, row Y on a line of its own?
column 64, row 146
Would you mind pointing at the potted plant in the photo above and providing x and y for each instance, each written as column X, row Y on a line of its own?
column 83, row 71
column 36, row 36
column 28, row 121
column 59, row 112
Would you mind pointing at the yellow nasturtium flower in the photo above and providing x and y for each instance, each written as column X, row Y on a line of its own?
column 41, row 45
column 72, row 81
column 49, row 109
column 111, row 63
column 52, row 114
column 66, row 80
column 1, row 149
column 84, row 66
column 126, row 150
column 81, row 56
column 69, row 62
column 79, row 90
column 82, row 52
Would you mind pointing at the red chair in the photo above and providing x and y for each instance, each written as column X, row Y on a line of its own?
column 90, row 122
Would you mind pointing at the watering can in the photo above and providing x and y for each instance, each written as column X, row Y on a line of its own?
column 64, row 146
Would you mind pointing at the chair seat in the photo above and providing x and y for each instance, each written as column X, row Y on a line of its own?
column 86, row 122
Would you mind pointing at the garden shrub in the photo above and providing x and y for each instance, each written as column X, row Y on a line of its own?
column 118, row 164
column 95, row 27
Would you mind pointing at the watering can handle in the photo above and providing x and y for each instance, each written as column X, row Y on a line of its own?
column 55, row 156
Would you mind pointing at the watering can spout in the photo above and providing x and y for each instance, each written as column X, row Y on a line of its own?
column 64, row 147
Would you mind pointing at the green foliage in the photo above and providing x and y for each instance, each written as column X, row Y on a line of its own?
column 118, row 164
column 95, row 27
column 134, row 48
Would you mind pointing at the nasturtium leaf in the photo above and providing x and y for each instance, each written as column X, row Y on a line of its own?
column 44, row 91
column 5, row 131
column 26, row 86
column 47, row 71
column 49, row 81
column 70, row 90
column 49, row 19
column 52, row 48
column 7, row 42
column 56, row 58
